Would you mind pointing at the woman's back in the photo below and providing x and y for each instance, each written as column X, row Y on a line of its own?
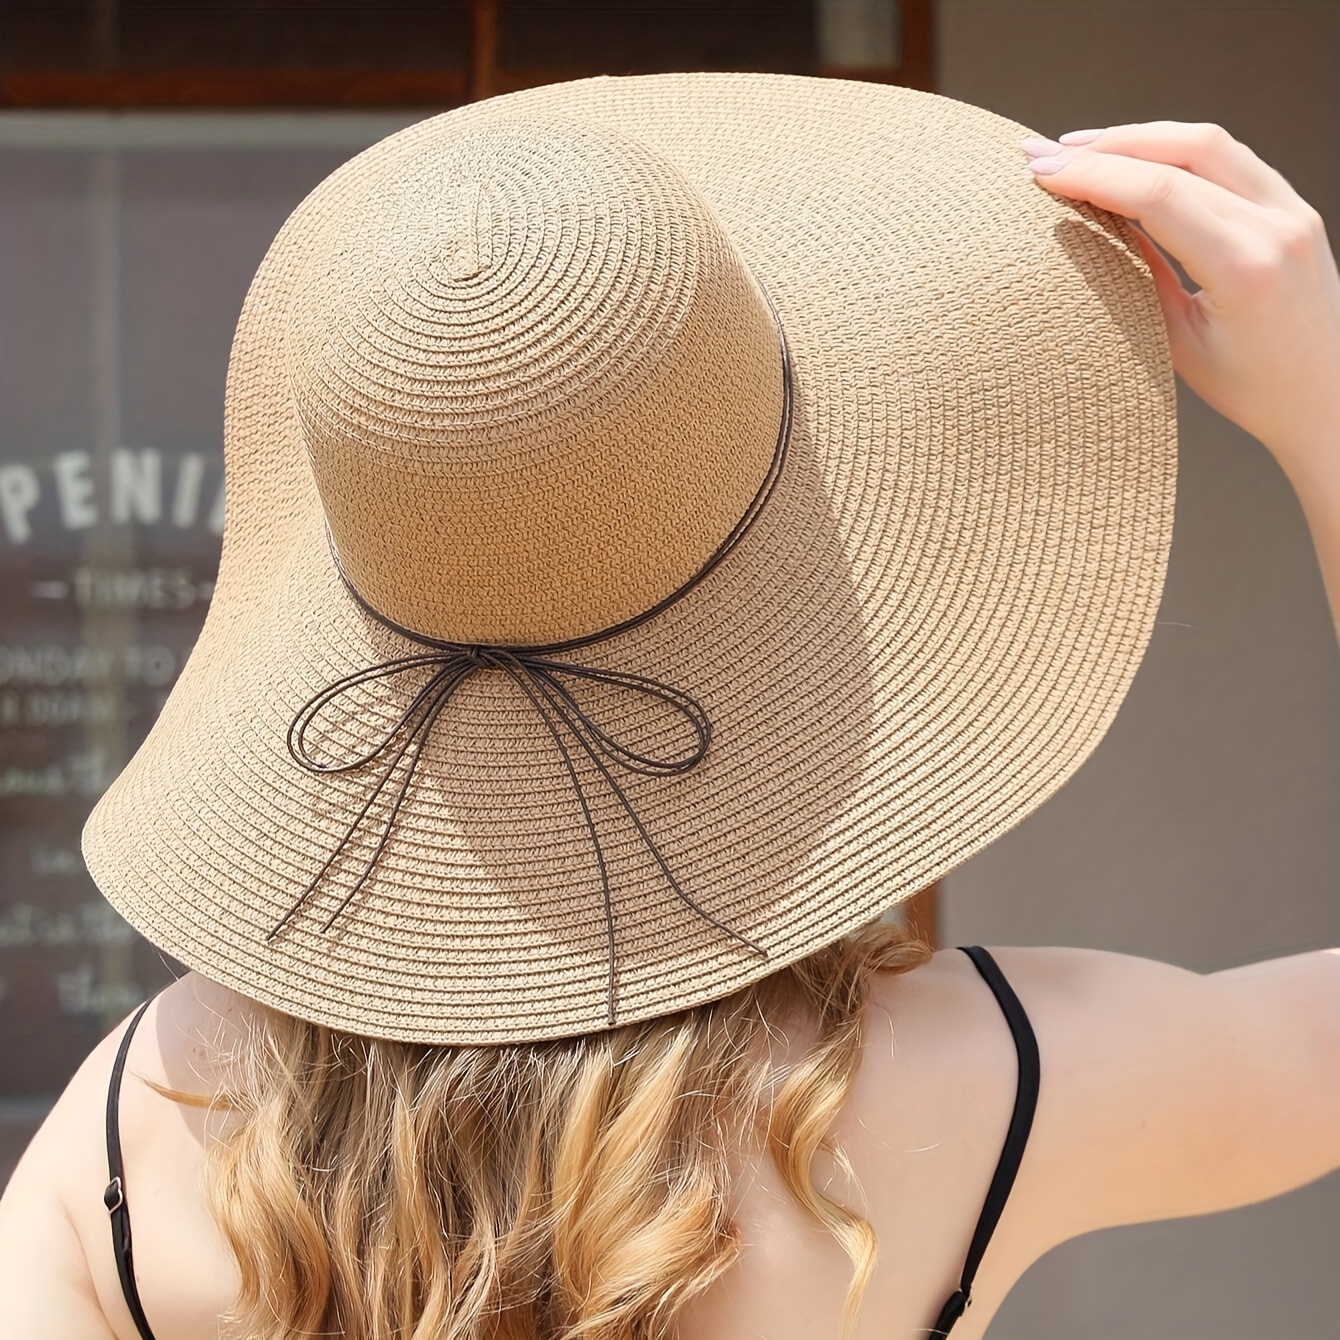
column 937, row 1047
column 1140, row 1064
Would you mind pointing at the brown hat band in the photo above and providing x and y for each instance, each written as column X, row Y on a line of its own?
column 539, row 673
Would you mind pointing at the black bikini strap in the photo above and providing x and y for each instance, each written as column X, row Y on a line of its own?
column 114, row 1198
column 1021, row 1122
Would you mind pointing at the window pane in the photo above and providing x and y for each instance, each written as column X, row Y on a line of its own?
column 126, row 249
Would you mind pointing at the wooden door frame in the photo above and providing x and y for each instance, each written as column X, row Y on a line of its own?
column 371, row 88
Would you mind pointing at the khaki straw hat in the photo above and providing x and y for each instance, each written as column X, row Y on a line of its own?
column 670, row 520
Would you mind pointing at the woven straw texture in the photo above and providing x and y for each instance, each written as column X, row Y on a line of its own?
column 515, row 366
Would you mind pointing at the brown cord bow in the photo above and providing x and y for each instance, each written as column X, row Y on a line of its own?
column 539, row 674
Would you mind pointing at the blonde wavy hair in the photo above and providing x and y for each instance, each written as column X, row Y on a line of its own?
column 566, row 1190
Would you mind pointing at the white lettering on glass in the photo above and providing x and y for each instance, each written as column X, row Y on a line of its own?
column 18, row 493
column 142, row 486
column 186, row 500
column 216, row 513
column 74, row 488
column 137, row 485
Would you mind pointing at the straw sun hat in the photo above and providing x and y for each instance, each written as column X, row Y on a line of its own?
column 670, row 520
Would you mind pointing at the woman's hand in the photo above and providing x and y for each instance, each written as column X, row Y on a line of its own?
column 1260, row 340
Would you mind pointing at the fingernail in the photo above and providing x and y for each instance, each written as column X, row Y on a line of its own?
column 1038, row 144
column 1047, row 164
column 1080, row 136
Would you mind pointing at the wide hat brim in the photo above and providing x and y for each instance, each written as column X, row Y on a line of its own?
column 925, row 633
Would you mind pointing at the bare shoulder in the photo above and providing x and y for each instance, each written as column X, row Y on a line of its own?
column 937, row 1019
column 1164, row 1092
column 57, row 1270
column 938, row 1057
column 46, row 1288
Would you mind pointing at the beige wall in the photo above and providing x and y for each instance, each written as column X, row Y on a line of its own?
column 1204, row 828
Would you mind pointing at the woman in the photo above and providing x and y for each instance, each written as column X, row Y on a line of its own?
column 835, row 1137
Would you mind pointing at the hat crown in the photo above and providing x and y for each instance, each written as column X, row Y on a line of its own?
column 537, row 384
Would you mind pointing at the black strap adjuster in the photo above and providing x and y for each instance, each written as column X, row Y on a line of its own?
column 114, row 1197
column 959, row 1302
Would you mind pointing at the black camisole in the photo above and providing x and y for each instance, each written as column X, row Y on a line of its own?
column 1021, row 1122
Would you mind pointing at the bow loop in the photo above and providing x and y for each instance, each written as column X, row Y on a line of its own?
column 448, row 677
column 550, row 674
